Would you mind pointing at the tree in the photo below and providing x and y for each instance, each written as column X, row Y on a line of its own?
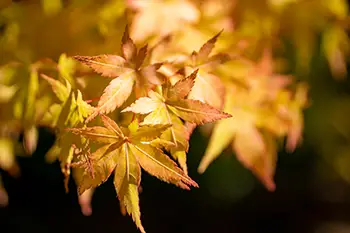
column 122, row 106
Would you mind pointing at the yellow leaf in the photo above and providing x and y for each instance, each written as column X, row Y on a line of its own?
column 30, row 140
column 7, row 156
column 97, row 167
column 149, row 132
column 161, row 17
column 7, row 92
column 159, row 165
column 115, row 94
column 143, row 105
column 97, row 134
column 32, row 92
column 106, row 65
column 222, row 135
column 251, row 151
column 127, row 179
column 181, row 157
column 66, row 66
column 209, row 89
column 61, row 91
column 51, row 7
column 336, row 47
column 195, row 111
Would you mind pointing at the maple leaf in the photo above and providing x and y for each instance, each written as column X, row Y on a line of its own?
column 66, row 66
column 126, row 150
column 71, row 111
column 72, row 108
column 247, row 141
column 207, row 88
column 126, row 70
column 7, row 156
column 61, row 91
column 263, row 109
column 296, row 105
column 172, row 100
column 7, row 92
column 336, row 46
column 170, row 107
column 161, row 17
column 30, row 139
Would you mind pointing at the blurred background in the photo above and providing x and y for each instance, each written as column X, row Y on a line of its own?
column 310, row 40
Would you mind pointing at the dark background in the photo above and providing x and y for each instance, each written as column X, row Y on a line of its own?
column 38, row 202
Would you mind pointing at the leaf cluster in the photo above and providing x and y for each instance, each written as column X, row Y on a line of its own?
column 212, row 64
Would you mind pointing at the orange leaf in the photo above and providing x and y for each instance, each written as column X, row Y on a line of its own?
column 106, row 65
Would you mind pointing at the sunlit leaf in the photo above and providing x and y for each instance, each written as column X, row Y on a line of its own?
column 128, row 151
column 161, row 18
column 106, row 65
column 30, row 140
column 115, row 94
column 7, row 156
column 195, row 111
column 61, row 91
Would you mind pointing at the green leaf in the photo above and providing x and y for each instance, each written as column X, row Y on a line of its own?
column 66, row 66
column 83, row 109
column 65, row 112
column 32, row 92
column 60, row 90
